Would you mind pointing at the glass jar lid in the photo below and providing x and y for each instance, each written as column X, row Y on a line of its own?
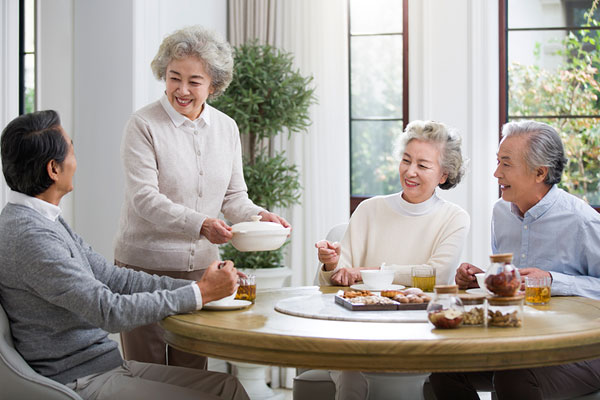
column 446, row 289
column 471, row 299
column 501, row 258
column 506, row 301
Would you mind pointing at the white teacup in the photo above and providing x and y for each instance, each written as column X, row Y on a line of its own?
column 376, row 278
column 481, row 280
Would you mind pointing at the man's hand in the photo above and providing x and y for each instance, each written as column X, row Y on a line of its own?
column 219, row 280
column 328, row 253
column 465, row 276
column 532, row 273
column 272, row 217
column 346, row 276
column 216, row 231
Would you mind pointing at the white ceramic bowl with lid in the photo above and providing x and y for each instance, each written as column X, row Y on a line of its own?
column 258, row 236
column 377, row 278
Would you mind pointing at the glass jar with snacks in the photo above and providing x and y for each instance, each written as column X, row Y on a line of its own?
column 506, row 312
column 502, row 277
column 475, row 309
column 445, row 310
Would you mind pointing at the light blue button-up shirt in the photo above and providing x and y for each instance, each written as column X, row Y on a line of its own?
column 560, row 234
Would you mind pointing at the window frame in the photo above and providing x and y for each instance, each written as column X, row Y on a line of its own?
column 503, row 30
column 23, row 54
column 356, row 200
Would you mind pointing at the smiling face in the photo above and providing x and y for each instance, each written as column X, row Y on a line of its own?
column 188, row 86
column 519, row 183
column 420, row 171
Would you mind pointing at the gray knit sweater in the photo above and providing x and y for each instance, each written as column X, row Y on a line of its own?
column 61, row 297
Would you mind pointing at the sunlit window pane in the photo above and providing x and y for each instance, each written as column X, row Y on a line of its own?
column 374, row 170
column 29, row 26
column 375, row 16
column 376, row 74
column 29, row 83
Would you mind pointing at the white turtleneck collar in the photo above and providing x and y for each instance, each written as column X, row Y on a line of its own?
column 413, row 210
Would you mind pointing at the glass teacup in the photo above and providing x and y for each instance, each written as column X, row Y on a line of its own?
column 247, row 288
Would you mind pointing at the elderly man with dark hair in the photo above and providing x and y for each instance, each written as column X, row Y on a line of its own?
column 61, row 297
column 526, row 222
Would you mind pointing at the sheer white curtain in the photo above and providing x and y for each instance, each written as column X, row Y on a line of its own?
column 315, row 32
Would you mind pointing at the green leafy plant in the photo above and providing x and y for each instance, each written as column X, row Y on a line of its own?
column 266, row 98
column 571, row 89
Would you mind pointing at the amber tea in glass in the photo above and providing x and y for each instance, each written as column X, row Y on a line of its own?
column 247, row 288
column 423, row 277
column 537, row 290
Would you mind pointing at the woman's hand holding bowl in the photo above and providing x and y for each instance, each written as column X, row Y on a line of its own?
column 216, row 231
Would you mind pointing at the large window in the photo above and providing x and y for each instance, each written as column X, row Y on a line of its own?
column 378, row 94
column 27, row 54
column 550, row 72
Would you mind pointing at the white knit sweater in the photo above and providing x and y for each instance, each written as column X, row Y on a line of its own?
column 387, row 229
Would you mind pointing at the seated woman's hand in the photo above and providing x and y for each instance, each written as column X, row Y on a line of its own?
column 272, row 217
column 328, row 253
column 346, row 277
column 216, row 231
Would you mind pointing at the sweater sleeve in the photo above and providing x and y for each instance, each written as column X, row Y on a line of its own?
column 58, row 274
column 141, row 179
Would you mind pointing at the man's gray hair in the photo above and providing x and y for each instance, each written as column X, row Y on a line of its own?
column 451, row 160
column 545, row 148
column 214, row 52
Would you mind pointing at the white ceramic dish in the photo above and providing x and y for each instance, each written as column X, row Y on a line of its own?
column 377, row 278
column 362, row 286
column 224, row 300
column 258, row 236
column 233, row 305
column 480, row 279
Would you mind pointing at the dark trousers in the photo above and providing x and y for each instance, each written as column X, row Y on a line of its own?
column 146, row 344
column 556, row 382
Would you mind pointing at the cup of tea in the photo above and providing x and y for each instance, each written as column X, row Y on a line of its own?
column 537, row 290
column 423, row 277
column 247, row 288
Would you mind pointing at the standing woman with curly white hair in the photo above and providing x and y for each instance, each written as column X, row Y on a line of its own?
column 183, row 167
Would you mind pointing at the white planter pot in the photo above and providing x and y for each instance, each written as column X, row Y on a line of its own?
column 269, row 278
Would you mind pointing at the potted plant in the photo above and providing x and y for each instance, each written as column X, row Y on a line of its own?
column 266, row 98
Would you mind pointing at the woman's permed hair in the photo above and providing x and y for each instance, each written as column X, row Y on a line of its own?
column 195, row 41
column 447, row 138
column 545, row 147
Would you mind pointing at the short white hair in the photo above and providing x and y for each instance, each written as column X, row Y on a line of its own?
column 207, row 46
column 447, row 138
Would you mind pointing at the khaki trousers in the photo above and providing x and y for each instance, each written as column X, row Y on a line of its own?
column 146, row 344
column 142, row 381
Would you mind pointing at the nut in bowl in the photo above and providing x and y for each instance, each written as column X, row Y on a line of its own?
column 376, row 278
column 258, row 236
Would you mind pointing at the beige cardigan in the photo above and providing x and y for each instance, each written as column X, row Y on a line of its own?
column 178, row 173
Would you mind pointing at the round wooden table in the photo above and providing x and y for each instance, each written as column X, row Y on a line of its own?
column 566, row 330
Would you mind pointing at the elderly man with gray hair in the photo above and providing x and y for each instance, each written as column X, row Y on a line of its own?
column 525, row 222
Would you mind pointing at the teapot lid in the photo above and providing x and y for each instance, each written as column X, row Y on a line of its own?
column 257, row 226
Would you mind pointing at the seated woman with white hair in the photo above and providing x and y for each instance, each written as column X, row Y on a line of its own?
column 398, row 231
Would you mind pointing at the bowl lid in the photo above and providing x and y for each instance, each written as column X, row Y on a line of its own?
column 256, row 226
